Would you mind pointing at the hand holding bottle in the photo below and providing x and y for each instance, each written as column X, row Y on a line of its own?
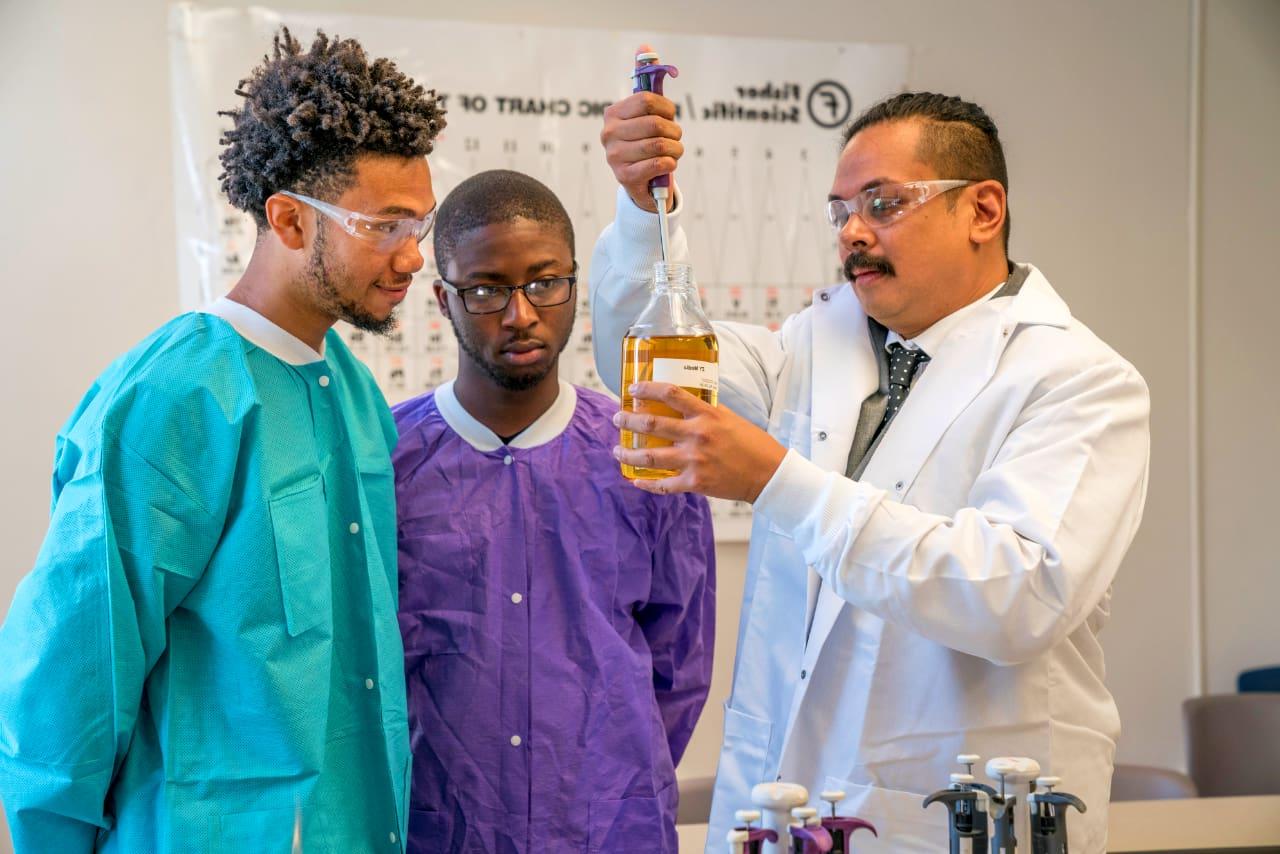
column 713, row 451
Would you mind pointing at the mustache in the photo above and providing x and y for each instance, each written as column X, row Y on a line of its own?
column 860, row 261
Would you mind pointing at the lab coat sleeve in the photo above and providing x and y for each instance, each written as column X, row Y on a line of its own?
column 678, row 621
column 751, row 357
column 139, row 503
column 1029, row 557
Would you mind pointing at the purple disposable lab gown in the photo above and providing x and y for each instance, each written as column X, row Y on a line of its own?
column 558, row 627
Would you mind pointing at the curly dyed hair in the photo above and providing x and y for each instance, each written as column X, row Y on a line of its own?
column 308, row 115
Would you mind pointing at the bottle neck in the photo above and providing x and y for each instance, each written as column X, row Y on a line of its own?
column 672, row 277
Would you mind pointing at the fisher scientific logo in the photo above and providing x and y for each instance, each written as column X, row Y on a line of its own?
column 829, row 104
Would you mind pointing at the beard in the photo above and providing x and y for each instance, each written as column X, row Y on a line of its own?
column 324, row 285
column 511, row 379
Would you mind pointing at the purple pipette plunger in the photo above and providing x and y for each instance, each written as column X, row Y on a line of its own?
column 648, row 76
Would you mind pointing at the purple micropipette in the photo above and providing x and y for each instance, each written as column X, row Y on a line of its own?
column 648, row 77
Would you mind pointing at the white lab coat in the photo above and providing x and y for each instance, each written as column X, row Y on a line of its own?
column 964, row 577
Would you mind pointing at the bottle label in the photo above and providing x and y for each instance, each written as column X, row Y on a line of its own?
column 689, row 373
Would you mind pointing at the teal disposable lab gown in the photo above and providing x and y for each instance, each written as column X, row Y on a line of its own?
column 206, row 655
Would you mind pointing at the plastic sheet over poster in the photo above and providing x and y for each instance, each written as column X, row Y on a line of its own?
column 761, row 120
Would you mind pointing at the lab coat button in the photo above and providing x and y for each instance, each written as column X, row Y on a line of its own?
column 516, row 741
column 507, row 460
column 898, row 486
column 354, row 527
column 392, row 836
column 822, row 435
column 324, row 381
column 824, row 296
column 368, row 683
column 517, row 598
column 804, row 674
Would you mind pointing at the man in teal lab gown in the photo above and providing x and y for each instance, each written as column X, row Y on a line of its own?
column 205, row 656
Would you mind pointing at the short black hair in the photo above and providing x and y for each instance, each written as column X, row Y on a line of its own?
column 959, row 139
column 496, row 196
column 308, row 116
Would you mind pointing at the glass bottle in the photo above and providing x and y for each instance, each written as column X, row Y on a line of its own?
column 672, row 342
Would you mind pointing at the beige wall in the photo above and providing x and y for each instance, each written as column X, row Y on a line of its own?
column 1240, row 304
column 1094, row 102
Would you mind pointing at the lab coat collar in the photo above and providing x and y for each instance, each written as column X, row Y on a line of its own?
column 1037, row 304
column 258, row 330
column 843, row 356
column 931, row 339
column 548, row 426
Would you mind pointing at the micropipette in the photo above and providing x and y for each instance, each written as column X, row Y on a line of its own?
column 648, row 76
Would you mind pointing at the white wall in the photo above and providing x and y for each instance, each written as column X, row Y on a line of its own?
column 1094, row 103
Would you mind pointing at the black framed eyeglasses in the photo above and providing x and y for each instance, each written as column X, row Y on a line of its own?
column 491, row 299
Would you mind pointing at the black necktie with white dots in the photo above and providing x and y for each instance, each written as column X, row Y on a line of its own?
column 903, row 364
column 897, row 366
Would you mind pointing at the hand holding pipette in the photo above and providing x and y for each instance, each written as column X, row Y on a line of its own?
column 642, row 141
column 648, row 76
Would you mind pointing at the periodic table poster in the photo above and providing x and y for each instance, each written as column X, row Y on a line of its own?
column 761, row 121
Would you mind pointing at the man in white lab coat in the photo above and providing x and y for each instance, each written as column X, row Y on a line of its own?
column 947, row 469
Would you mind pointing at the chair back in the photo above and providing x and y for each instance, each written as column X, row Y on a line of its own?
column 1259, row 679
column 1233, row 743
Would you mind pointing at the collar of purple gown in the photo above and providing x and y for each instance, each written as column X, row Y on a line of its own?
column 548, row 426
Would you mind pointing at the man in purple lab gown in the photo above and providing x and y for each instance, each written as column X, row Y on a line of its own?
column 558, row 623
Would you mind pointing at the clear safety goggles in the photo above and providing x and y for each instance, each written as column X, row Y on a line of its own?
column 887, row 203
column 384, row 233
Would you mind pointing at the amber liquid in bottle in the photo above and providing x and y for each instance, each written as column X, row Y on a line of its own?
column 638, row 361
